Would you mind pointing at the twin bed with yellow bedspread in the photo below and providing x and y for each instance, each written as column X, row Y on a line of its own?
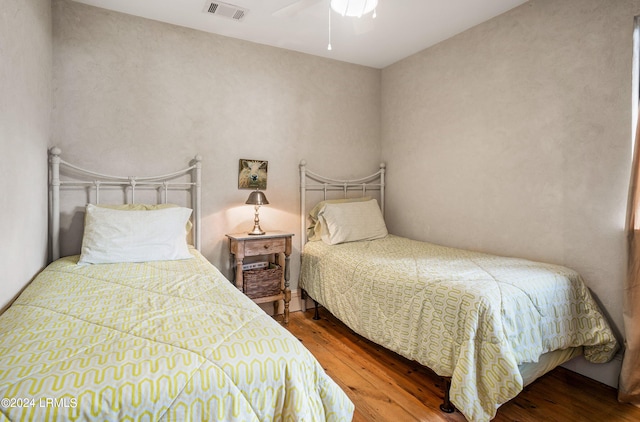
column 140, row 326
column 165, row 340
column 470, row 316
column 488, row 324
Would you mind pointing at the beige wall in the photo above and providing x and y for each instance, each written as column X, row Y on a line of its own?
column 136, row 96
column 514, row 138
column 25, row 106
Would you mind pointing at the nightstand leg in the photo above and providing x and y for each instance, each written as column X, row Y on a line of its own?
column 287, row 291
column 239, row 280
column 287, row 299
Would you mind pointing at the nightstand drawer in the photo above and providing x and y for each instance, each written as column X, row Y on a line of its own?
column 264, row 246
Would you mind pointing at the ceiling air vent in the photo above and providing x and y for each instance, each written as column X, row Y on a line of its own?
column 225, row 10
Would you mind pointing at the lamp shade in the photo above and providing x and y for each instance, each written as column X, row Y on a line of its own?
column 353, row 7
column 257, row 198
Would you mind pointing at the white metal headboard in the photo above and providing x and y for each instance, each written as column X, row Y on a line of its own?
column 373, row 182
column 86, row 178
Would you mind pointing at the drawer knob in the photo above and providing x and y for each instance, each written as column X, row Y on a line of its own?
column 266, row 246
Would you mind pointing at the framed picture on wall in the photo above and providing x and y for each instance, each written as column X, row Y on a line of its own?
column 252, row 174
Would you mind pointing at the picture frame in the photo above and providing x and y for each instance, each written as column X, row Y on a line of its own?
column 252, row 174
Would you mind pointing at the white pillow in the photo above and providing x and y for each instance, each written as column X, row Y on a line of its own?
column 315, row 230
column 352, row 221
column 144, row 207
column 112, row 235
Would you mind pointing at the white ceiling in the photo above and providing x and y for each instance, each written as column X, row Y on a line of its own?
column 401, row 28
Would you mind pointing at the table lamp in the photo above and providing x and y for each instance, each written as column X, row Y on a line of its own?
column 257, row 198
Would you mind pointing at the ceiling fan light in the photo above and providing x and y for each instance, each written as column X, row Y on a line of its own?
column 355, row 8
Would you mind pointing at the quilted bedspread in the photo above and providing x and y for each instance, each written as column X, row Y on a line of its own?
column 167, row 340
column 466, row 315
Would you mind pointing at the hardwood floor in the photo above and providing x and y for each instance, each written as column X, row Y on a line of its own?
column 386, row 387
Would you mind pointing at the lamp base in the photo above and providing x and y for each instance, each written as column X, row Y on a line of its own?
column 256, row 224
column 256, row 231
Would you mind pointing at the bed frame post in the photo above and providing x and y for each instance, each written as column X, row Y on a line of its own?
column 303, row 220
column 383, row 168
column 303, row 214
column 197, row 201
column 446, row 405
column 55, row 202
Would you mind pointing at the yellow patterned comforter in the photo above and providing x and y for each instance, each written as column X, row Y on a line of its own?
column 170, row 340
column 470, row 316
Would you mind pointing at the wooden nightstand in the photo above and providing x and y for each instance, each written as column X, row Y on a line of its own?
column 272, row 243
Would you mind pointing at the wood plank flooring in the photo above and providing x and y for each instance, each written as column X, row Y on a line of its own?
column 386, row 387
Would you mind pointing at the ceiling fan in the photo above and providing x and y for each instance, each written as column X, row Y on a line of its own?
column 356, row 8
column 350, row 8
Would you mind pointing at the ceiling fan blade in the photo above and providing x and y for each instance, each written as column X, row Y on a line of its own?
column 294, row 8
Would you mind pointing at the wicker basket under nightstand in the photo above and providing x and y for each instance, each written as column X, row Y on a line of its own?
column 261, row 283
